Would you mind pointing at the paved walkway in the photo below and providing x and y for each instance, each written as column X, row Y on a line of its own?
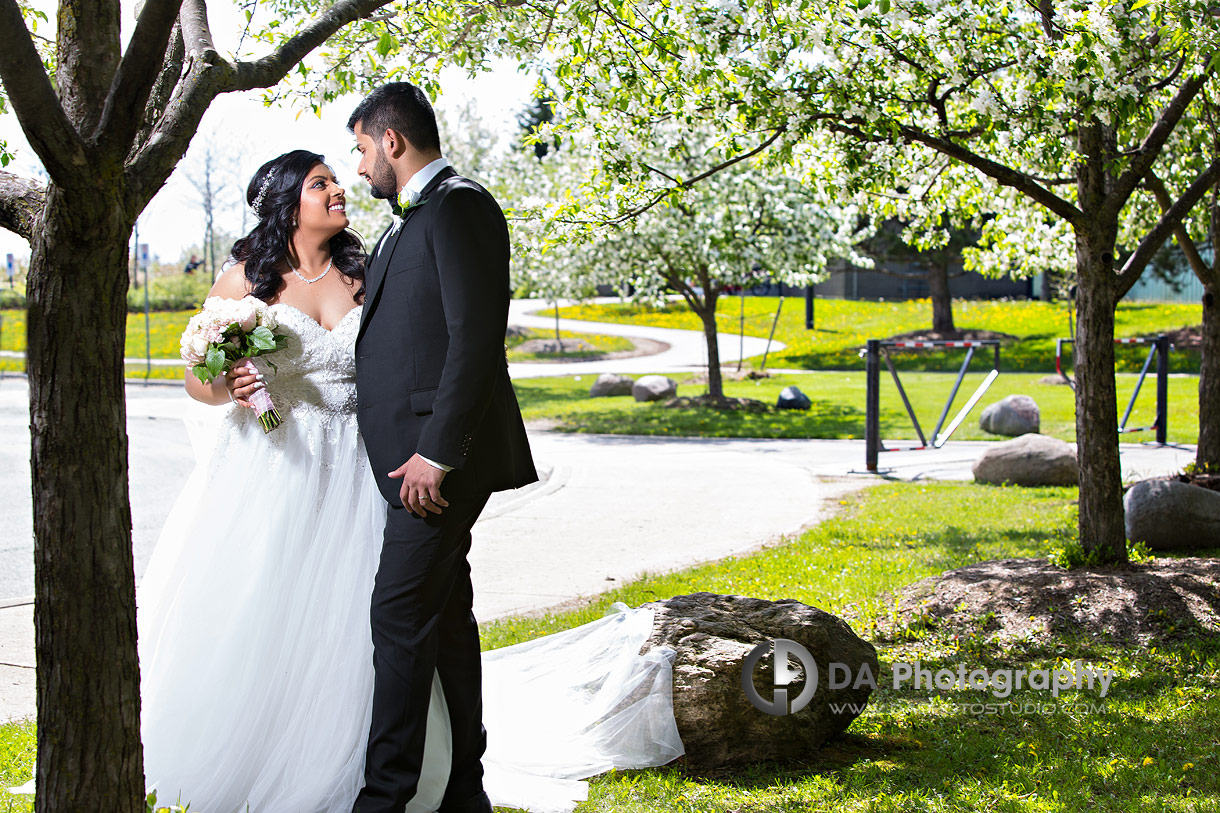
column 609, row 508
column 687, row 348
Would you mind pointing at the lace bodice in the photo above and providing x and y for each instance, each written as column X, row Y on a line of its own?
column 316, row 370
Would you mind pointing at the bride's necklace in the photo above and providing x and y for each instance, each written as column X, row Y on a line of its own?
column 306, row 279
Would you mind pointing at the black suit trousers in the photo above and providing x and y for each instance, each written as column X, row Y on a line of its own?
column 422, row 621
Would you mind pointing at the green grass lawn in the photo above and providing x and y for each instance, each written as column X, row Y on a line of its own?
column 1151, row 746
column 838, row 407
column 842, row 327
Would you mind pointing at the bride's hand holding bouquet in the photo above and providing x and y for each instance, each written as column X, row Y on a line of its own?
column 229, row 331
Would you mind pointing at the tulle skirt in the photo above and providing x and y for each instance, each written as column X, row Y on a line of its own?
column 256, row 655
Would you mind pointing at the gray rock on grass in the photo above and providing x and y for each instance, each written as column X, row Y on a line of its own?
column 712, row 635
column 793, row 398
column 1030, row 460
column 1172, row 515
column 654, row 388
column 1013, row 416
column 610, row 384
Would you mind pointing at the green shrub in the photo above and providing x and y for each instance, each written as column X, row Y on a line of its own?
column 11, row 298
column 177, row 293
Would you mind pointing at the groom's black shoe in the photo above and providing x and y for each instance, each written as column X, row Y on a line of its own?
column 479, row 803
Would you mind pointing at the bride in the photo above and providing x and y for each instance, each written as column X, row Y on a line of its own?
column 255, row 645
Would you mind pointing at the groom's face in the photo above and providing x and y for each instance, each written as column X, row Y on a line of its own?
column 374, row 166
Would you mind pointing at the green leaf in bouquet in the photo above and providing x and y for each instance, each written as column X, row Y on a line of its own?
column 202, row 373
column 215, row 361
column 261, row 339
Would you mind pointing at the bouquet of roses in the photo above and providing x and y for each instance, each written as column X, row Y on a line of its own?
column 227, row 330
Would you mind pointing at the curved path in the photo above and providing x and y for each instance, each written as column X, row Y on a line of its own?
column 687, row 348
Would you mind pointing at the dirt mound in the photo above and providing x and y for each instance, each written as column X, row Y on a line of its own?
column 1031, row 600
column 1185, row 338
column 723, row 404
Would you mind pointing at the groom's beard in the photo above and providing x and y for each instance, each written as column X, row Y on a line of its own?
column 383, row 184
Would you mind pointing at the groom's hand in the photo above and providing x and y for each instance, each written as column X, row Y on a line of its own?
column 421, row 486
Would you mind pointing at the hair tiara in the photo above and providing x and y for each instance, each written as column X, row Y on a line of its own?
column 257, row 206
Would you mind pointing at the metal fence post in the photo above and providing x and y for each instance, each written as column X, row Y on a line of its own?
column 872, row 405
column 1162, row 390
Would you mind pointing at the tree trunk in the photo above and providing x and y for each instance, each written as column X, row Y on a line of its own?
column 715, row 382
column 1101, row 527
column 942, row 300
column 84, row 610
column 1208, row 454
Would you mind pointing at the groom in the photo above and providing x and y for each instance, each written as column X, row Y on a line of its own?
column 443, row 430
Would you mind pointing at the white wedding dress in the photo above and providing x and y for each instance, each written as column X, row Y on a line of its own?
column 255, row 649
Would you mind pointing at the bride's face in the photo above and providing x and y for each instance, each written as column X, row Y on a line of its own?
column 323, row 206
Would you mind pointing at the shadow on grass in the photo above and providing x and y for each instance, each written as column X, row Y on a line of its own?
column 823, row 419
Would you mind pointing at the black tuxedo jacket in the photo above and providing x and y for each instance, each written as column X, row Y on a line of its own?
column 431, row 372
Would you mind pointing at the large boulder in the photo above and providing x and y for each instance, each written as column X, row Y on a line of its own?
column 654, row 388
column 793, row 398
column 713, row 635
column 608, row 384
column 1030, row 460
column 1013, row 416
column 1172, row 515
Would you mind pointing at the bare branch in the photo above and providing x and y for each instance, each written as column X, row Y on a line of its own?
column 42, row 117
column 1150, row 149
column 163, row 88
column 1202, row 270
column 1153, row 241
column 196, row 32
column 21, row 202
column 137, row 72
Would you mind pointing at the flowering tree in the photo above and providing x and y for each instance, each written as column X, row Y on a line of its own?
column 109, row 125
column 699, row 241
column 1068, row 104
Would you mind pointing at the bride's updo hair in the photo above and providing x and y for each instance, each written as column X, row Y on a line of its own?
column 275, row 196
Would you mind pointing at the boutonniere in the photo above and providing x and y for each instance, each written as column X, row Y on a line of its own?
column 399, row 210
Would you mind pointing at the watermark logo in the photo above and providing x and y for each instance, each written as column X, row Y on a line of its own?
column 785, row 676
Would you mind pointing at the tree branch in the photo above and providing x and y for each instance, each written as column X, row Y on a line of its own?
column 687, row 184
column 136, row 75
column 1153, row 241
column 272, row 68
column 196, row 32
column 208, row 75
column 21, row 202
column 1151, row 147
column 1202, row 270
column 163, row 88
column 1020, row 181
column 42, row 117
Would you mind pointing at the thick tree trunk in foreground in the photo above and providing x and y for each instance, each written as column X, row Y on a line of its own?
column 84, row 615
column 1101, row 526
column 942, row 300
column 1208, row 454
